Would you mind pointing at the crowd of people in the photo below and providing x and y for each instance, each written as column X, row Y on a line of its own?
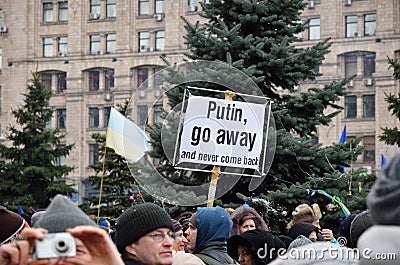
column 145, row 234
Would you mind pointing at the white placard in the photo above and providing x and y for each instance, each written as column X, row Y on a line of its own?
column 222, row 132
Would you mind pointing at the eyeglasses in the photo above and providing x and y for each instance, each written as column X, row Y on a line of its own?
column 159, row 237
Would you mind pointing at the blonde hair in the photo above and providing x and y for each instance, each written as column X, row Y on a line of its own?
column 305, row 213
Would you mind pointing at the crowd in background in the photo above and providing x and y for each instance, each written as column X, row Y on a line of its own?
column 145, row 234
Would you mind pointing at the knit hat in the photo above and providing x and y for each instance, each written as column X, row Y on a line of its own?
column 384, row 196
column 139, row 220
column 177, row 225
column 11, row 224
column 299, row 242
column 301, row 228
column 305, row 213
column 360, row 223
column 254, row 240
column 104, row 223
column 35, row 217
column 61, row 214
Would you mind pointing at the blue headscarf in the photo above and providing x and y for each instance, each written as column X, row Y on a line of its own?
column 213, row 224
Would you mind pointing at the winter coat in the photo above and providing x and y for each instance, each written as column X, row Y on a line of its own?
column 129, row 261
column 217, row 251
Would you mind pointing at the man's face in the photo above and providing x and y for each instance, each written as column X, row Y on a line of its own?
column 181, row 240
column 191, row 233
column 154, row 248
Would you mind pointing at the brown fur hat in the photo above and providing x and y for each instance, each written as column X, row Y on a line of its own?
column 305, row 213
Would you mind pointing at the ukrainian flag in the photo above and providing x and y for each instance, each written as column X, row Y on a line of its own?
column 125, row 137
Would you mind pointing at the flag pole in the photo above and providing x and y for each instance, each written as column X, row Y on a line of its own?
column 101, row 182
column 215, row 172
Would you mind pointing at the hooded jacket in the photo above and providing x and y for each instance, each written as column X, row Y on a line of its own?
column 213, row 226
column 240, row 212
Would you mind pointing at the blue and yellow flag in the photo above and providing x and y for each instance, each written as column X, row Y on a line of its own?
column 125, row 137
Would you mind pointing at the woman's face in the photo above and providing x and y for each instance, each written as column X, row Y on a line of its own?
column 244, row 256
column 249, row 224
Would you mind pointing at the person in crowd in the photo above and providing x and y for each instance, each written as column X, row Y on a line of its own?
column 321, row 253
column 246, row 218
column 180, row 257
column 312, row 215
column 255, row 247
column 383, row 202
column 299, row 242
column 207, row 235
column 11, row 225
column 359, row 225
column 344, row 229
column 93, row 245
column 305, row 229
column 144, row 234
column 180, row 241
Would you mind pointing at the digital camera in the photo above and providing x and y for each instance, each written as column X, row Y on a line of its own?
column 55, row 245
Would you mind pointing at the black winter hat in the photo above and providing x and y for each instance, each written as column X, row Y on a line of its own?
column 301, row 228
column 360, row 223
column 61, row 214
column 344, row 229
column 139, row 220
column 256, row 241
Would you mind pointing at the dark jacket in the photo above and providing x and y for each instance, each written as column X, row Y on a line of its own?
column 216, row 250
column 129, row 261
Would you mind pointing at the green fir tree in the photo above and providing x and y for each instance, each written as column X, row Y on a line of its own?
column 259, row 38
column 30, row 174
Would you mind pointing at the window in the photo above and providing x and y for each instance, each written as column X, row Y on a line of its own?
column 47, row 47
column 93, row 154
column 94, row 44
column 369, row 106
column 111, row 43
column 63, row 11
column 350, row 106
column 160, row 40
column 158, row 78
column 157, row 113
column 109, row 79
column 314, row 29
column 144, row 7
column 350, row 65
column 47, row 12
column 142, row 114
column 1, row 17
column 95, row 7
column 62, row 46
column 46, row 80
column 351, row 26
column 160, row 6
column 369, row 64
column 193, row 5
column 62, row 159
column 142, row 76
column 107, row 112
column 144, row 41
column 61, row 82
column 94, row 80
column 369, row 24
column 369, row 150
column 111, row 8
column 93, row 117
column 48, row 123
column 61, row 118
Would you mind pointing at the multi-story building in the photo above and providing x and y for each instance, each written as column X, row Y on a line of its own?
column 94, row 54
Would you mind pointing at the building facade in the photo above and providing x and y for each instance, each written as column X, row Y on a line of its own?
column 94, row 54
